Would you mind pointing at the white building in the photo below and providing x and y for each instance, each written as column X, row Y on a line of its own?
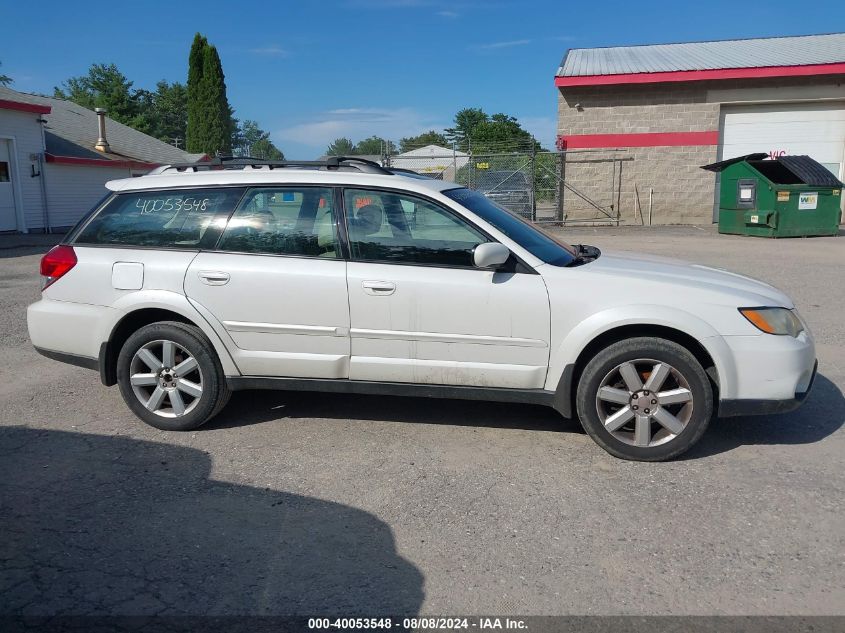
column 432, row 160
column 54, row 160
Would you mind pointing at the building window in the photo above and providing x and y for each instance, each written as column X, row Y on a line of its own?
column 4, row 171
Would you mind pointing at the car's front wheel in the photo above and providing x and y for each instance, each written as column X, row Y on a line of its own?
column 170, row 377
column 645, row 399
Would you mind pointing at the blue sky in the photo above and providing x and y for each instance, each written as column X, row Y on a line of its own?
column 310, row 71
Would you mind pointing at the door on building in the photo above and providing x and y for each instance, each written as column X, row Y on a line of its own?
column 814, row 129
column 8, row 217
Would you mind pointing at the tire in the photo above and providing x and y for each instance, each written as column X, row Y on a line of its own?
column 179, row 400
column 622, row 378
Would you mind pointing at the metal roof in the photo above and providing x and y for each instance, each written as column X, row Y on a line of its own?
column 752, row 53
column 71, row 130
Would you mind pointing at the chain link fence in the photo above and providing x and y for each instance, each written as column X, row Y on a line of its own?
column 572, row 187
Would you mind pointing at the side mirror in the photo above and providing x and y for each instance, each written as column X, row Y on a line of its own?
column 490, row 255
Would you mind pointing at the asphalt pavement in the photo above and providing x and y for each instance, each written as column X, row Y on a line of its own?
column 296, row 503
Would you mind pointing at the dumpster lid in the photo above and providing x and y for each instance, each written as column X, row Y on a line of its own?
column 810, row 171
column 722, row 164
column 784, row 170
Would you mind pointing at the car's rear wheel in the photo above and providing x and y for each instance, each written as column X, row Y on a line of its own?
column 645, row 399
column 170, row 377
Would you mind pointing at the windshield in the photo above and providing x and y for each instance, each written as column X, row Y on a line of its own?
column 530, row 237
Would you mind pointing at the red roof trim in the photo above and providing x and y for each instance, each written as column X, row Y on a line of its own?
column 98, row 162
column 702, row 75
column 650, row 139
column 37, row 108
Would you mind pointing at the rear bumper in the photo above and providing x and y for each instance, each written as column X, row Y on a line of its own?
column 732, row 408
column 68, row 328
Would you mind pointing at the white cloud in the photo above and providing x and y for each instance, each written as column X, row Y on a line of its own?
column 498, row 45
column 388, row 4
column 357, row 124
column 448, row 14
column 272, row 49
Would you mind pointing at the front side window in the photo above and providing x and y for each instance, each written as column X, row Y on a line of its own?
column 530, row 237
column 165, row 219
column 402, row 228
column 284, row 221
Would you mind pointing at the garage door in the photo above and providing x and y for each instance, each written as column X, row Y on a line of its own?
column 817, row 130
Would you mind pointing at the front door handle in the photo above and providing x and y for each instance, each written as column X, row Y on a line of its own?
column 213, row 277
column 378, row 287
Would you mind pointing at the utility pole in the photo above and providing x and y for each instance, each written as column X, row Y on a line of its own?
column 176, row 141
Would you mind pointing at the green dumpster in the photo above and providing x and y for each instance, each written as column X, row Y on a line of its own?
column 790, row 196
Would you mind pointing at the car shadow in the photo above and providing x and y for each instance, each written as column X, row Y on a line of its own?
column 820, row 416
column 253, row 407
column 97, row 525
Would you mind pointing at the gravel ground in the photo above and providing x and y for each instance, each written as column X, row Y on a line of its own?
column 316, row 504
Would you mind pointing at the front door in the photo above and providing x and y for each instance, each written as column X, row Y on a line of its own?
column 8, row 217
column 420, row 312
column 276, row 285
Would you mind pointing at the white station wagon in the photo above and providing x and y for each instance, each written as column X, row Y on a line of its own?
column 198, row 280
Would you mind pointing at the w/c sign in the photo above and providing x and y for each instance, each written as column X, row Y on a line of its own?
column 808, row 200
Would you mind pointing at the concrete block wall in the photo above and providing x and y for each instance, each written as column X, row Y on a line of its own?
column 683, row 193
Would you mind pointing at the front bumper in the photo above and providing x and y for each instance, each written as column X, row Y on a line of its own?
column 759, row 406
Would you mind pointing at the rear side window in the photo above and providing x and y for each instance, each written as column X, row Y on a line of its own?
column 174, row 219
column 292, row 220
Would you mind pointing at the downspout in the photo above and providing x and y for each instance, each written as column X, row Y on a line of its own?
column 42, row 174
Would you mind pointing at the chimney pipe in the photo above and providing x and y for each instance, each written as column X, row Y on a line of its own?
column 102, row 144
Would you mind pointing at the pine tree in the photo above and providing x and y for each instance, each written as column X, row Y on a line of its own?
column 195, row 133
column 216, row 112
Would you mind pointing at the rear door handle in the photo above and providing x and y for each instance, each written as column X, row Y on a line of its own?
column 378, row 287
column 213, row 277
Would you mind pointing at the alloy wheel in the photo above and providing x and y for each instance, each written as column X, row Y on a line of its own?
column 166, row 378
column 644, row 402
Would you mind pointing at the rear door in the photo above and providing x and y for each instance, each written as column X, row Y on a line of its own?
column 276, row 284
column 422, row 313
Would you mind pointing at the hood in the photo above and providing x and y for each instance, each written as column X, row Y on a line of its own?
column 645, row 269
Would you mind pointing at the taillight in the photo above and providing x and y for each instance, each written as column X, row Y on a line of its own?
column 56, row 263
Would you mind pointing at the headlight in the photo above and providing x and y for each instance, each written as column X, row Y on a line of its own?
column 774, row 320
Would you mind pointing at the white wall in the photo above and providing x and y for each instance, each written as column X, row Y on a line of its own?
column 72, row 190
column 25, row 129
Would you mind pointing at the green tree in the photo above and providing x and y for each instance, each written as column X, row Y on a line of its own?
column 5, row 80
column 426, row 138
column 341, row 147
column 105, row 87
column 375, row 145
column 266, row 150
column 195, row 129
column 214, row 106
column 501, row 133
column 165, row 111
column 255, row 142
column 466, row 121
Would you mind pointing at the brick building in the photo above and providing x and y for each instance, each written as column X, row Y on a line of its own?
column 654, row 114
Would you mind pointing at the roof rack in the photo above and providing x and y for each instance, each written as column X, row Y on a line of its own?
column 333, row 163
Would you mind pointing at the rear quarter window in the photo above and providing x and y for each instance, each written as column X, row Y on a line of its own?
column 165, row 219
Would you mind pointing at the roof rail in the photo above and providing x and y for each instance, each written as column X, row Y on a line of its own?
column 333, row 163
